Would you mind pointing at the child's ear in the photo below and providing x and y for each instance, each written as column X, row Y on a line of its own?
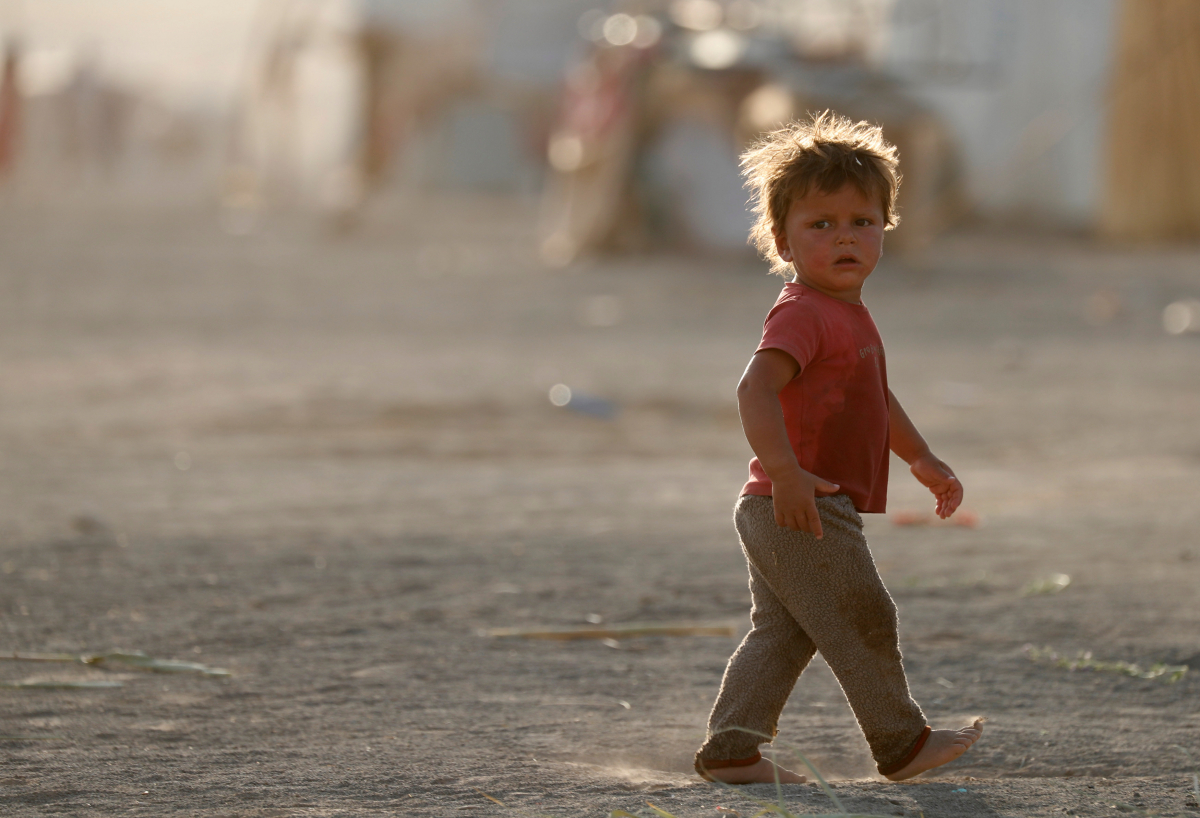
column 782, row 247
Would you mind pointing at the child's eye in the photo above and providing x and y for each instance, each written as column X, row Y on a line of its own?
column 864, row 222
column 821, row 225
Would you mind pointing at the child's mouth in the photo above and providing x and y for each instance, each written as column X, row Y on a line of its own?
column 845, row 260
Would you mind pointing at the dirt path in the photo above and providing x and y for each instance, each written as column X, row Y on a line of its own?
column 330, row 465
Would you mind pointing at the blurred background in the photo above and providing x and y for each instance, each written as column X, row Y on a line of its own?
column 334, row 333
column 624, row 118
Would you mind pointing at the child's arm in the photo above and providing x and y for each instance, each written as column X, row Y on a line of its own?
column 910, row 447
column 792, row 488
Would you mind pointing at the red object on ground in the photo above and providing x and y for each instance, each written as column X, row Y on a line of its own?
column 963, row 518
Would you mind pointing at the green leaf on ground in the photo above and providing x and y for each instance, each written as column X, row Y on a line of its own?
column 1084, row 661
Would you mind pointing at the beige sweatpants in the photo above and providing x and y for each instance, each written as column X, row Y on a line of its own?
column 811, row 595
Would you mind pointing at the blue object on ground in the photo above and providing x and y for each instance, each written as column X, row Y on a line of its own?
column 592, row 406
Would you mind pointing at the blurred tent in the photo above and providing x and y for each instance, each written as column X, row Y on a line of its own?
column 335, row 93
column 1022, row 86
column 667, row 95
column 346, row 98
column 292, row 124
column 1153, row 187
column 416, row 57
column 1076, row 114
column 1058, row 114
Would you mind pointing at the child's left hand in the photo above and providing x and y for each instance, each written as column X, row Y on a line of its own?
column 939, row 479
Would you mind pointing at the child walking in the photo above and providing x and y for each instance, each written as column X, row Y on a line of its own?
column 817, row 411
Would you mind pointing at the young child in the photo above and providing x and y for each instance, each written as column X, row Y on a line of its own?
column 817, row 411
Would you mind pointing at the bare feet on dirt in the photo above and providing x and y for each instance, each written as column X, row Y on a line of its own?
column 760, row 772
column 942, row 747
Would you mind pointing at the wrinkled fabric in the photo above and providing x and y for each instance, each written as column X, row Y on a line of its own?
column 813, row 595
column 836, row 410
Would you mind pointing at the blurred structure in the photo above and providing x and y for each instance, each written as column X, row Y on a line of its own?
column 1059, row 115
column 1076, row 114
column 343, row 97
column 294, row 46
column 337, row 91
column 10, row 108
column 1022, row 86
column 629, row 114
column 67, row 125
column 417, row 59
column 669, row 93
column 1153, row 189
column 95, row 118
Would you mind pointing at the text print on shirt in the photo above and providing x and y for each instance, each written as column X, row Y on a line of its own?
column 873, row 349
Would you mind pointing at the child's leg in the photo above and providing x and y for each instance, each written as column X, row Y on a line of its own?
column 760, row 674
column 758, row 679
column 834, row 593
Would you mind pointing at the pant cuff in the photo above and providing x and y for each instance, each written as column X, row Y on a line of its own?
column 704, row 765
column 892, row 769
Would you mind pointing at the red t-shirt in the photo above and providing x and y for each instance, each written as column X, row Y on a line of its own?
column 836, row 408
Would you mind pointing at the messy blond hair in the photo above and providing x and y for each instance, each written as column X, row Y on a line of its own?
column 825, row 151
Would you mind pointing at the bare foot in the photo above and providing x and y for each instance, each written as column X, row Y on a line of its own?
column 942, row 747
column 760, row 772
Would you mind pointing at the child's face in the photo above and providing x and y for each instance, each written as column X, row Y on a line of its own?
column 833, row 240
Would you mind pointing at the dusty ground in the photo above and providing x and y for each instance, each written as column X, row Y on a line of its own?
column 328, row 465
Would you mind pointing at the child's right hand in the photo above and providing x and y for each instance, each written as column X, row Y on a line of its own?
column 795, row 502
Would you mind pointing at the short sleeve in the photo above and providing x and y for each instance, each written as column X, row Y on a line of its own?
column 794, row 326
